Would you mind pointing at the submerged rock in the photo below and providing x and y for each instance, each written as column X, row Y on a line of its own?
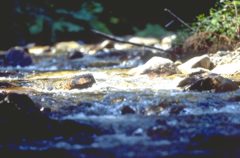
column 127, row 110
column 17, row 57
column 157, row 65
column 196, row 64
column 75, row 54
column 208, row 82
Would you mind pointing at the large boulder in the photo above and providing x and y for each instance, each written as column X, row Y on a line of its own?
column 157, row 65
column 21, row 119
column 196, row 64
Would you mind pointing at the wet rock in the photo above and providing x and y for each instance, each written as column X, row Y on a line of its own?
column 17, row 57
column 226, row 85
column 127, row 110
column 156, row 65
column 75, row 54
column 21, row 102
column 208, row 82
column 80, row 82
column 20, row 119
column 196, row 64
column 40, row 50
column 68, row 83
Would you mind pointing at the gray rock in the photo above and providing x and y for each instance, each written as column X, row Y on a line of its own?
column 196, row 64
column 156, row 65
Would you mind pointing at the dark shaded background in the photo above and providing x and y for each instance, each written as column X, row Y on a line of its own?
column 138, row 13
column 132, row 13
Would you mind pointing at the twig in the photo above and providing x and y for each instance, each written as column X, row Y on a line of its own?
column 169, row 23
column 178, row 18
column 120, row 40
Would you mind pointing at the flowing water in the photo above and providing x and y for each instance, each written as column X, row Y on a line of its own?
column 138, row 115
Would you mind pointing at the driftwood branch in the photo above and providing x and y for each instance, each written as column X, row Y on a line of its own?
column 120, row 40
column 87, row 28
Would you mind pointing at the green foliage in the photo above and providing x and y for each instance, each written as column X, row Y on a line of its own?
column 152, row 30
column 37, row 26
column 58, row 16
column 222, row 20
column 181, row 35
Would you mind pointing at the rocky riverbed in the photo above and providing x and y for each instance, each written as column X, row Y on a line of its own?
column 114, row 100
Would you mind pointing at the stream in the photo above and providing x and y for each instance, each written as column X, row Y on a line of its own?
column 122, row 115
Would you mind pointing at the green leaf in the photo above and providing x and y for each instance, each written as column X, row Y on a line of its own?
column 37, row 26
column 63, row 26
